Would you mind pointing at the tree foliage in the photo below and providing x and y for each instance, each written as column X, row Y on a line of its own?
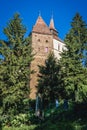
column 48, row 79
column 15, row 66
column 73, row 74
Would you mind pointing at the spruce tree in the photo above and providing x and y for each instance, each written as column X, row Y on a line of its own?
column 48, row 79
column 73, row 74
column 15, row 68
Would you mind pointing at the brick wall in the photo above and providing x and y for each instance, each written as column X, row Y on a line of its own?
column 42, row 45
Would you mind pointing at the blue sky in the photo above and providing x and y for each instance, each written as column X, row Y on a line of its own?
column 63, row 12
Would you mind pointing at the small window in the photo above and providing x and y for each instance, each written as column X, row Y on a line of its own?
column 46, row 49
column 46, row 40
column 38, row 40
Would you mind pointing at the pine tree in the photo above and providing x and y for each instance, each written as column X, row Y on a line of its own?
column 48, row 79
column 73, row 74
column 15, row 68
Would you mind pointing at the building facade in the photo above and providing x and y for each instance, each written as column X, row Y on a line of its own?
column 44, row 40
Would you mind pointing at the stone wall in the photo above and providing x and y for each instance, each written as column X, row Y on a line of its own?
column 42, row 45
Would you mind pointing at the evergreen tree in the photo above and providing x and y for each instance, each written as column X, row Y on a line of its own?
column 48, row 79
column 73, row 74
column 15, row 68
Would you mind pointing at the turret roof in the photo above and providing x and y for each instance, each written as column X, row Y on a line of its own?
column 41, row 27
column 51, row 26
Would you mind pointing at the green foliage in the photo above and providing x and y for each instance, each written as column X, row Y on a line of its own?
column 23, row 127
column 15, row 68
column 20, row 120
column 57, row 119
column 60, row 119
column 73, row 74
column 48, row 79
column 25, row 117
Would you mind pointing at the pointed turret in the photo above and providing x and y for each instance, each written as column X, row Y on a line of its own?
column 52, row 28
column 41, row 27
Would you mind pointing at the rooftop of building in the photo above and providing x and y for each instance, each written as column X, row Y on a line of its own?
column 42, row 28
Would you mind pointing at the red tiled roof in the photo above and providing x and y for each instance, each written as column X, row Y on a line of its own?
column 41, row 27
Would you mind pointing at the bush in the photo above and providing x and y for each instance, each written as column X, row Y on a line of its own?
column 16, row 120
column 23, row 127
column 20, row 119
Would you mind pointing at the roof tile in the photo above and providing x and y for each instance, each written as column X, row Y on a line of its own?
column 41, row 27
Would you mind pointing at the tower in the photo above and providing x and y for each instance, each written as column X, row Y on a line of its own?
column 42, row 45
column 44, row 40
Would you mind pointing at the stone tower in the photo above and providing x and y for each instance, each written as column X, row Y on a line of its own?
column 44, row 41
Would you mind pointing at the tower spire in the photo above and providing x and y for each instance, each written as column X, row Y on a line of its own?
column 39, row 13
column 51, row 26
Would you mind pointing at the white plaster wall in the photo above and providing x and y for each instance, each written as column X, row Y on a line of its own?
column 58, row 47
